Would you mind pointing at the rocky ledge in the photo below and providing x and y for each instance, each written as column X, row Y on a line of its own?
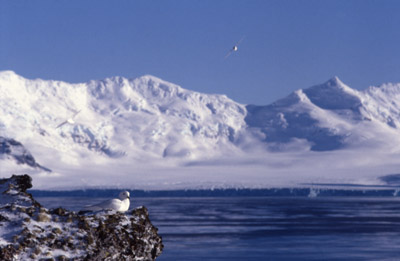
column 30, row 231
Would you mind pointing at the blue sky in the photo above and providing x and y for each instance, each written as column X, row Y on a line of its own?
column 288, row 44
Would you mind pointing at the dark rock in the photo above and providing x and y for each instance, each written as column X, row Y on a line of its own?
column 106, row 235
column 58, row 211
column 15, row 150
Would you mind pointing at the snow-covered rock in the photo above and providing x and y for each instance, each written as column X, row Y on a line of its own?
column 29, row 231
column 12, row 149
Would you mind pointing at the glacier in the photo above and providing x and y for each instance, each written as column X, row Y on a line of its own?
column 147, row 133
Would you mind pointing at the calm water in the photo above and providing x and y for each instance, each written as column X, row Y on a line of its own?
column 270, row 228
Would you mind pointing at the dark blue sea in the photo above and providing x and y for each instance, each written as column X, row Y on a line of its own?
column 267, row 227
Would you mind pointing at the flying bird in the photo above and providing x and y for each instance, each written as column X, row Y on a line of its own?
column 120, row 205
column 234, row 48
column 70, row 120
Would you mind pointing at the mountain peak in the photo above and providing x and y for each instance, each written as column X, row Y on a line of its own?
column 335, row 82
column 153, row 80
column 150, row 77
column 333, row 95
column 8, row 74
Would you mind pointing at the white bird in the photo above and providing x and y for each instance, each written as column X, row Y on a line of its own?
column 70, row 120
column 234, row 48
column 120, row 205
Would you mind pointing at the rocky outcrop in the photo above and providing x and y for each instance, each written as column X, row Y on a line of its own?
column 30, row 231
column 13, row 149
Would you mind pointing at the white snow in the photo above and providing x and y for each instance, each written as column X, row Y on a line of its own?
column 147, row 133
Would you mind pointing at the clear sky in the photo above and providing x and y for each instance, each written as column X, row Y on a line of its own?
column 288, row 44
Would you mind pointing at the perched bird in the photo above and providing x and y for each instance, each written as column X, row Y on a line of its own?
column 234, row 48
column 120, row 205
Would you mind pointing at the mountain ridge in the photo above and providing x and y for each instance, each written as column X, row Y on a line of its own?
column 133, row 121
column 165, row 114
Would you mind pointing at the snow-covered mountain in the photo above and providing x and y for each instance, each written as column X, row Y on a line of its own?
column 118, row 117
column 134, row 124
column 331, row 116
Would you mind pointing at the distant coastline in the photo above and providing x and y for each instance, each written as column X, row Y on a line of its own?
column 312, row 191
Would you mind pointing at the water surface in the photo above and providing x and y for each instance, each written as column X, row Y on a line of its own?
column 269, row 228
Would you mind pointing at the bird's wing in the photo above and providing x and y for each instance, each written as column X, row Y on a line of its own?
column 110, row 204
column 61, row 124
column 76, row 113
column 229, row 53
column 241, row 39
